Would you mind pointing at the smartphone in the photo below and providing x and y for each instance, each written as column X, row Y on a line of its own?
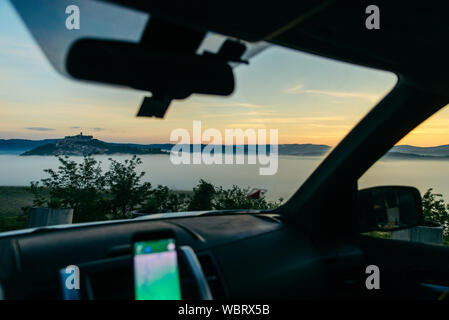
column 156, row 267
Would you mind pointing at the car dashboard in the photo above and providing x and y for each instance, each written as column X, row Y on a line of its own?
column 242, row 256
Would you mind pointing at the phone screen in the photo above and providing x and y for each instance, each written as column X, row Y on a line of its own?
column 156, row 274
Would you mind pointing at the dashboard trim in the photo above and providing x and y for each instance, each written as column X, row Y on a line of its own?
column 197, row 273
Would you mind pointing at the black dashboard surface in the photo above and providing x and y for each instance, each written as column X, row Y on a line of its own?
column 243, row 255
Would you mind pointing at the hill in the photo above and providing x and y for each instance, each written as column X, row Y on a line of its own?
column 86, row 145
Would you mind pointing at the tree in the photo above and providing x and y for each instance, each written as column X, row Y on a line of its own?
column 162, row 199
column 435, row 210
column 202, row 197
column 79, row 186
column 207, row 197
column 237, row 198
column 92, row 194
column 124, row 188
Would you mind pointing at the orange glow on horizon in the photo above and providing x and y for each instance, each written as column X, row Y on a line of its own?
column 432, row 132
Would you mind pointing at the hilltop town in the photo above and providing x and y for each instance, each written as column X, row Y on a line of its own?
column 82, row 145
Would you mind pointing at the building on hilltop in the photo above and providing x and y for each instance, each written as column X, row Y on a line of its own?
column 79, row 137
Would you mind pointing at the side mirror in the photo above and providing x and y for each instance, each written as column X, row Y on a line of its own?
column 389, row 208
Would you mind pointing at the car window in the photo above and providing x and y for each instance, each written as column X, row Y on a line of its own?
column 419, row 160
column 74, row 145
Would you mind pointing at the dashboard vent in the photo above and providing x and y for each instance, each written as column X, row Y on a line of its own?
column 211, row 273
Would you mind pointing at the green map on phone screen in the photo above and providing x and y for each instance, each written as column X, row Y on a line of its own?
column 156, row 275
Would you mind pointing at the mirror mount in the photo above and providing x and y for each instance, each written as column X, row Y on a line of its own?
column 154, row 106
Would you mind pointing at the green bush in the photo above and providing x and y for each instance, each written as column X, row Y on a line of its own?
column 237, row 198
column 92, row 194
column 162, row 199
column 436, row 210
column 207, row 197
column 124, row 189
column 80, row 186
column 203, row 195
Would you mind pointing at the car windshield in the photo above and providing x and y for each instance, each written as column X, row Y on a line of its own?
column 78, row 147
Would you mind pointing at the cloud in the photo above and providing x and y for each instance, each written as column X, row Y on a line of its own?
column 294, row 89
column 343, row 94
column 240, row 114
column 247, row 105
column 87, row 129
column 14, row 48
column 297, row 119
column 235, row 104
column 39, row 129
column 246, row 125
column 335, row 94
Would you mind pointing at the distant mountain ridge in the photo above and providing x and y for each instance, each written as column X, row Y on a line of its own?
column 17, row 146
column 48, row 147
column 442, row 151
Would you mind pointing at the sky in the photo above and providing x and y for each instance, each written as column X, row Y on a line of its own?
column 309, row 99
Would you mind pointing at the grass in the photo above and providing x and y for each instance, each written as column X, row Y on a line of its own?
column 12, row 199
column 378, row 234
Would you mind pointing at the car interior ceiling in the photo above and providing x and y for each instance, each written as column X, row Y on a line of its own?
column 310, row 247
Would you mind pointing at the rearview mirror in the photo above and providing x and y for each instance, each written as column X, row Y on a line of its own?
column 165, row 73
column 389, row 208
